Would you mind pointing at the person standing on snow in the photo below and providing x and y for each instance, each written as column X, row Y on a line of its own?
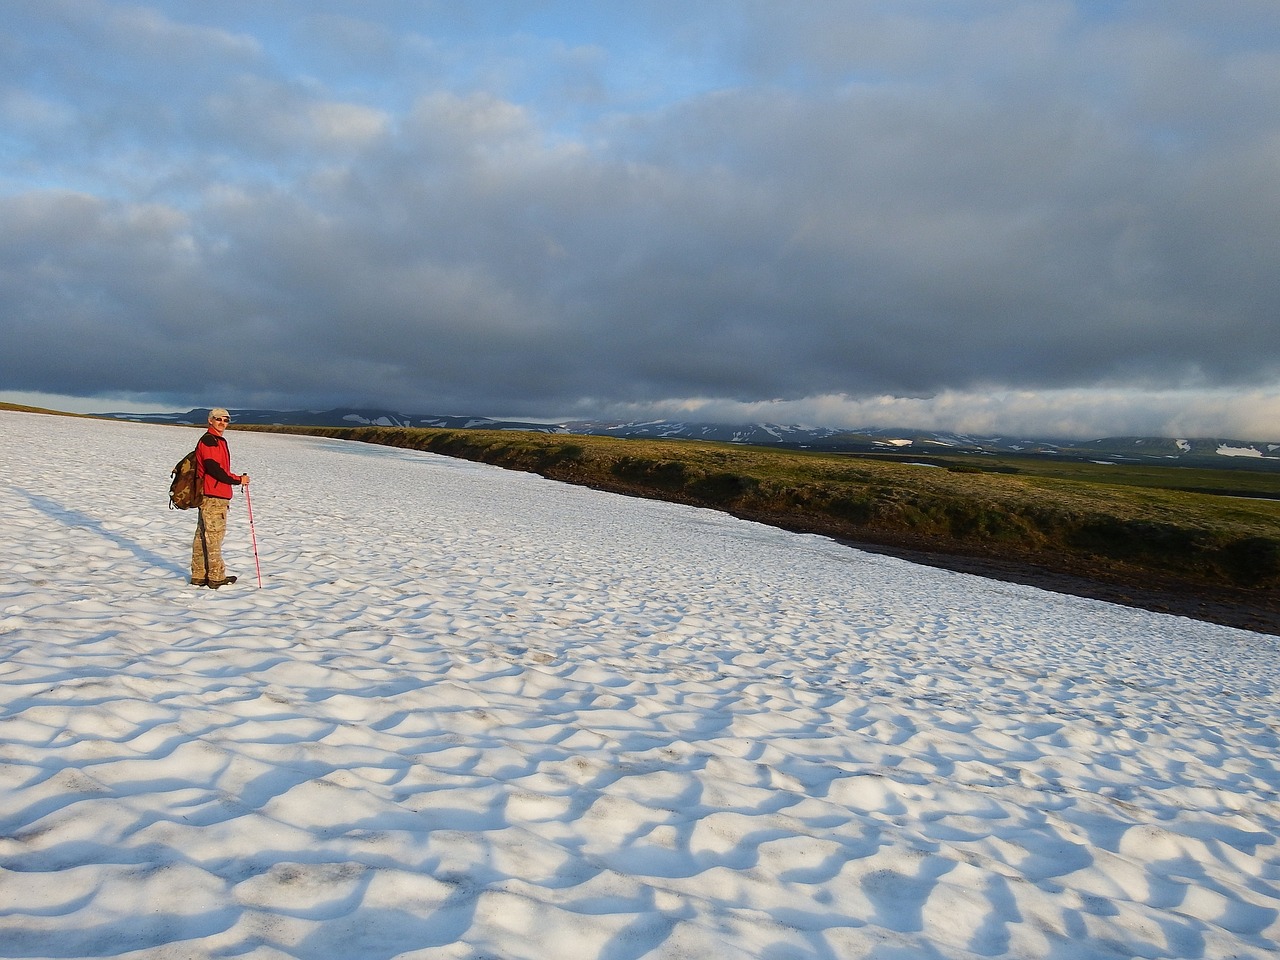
column 215, row 480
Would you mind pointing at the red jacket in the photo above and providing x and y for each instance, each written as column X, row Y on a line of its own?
column 213, row 467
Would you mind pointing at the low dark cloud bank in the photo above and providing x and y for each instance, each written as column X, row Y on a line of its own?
column 294, row 208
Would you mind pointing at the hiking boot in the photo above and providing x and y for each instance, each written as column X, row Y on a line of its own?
column 201, row 582
column 215, row 584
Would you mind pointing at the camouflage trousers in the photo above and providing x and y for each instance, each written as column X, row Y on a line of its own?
column 206, row 547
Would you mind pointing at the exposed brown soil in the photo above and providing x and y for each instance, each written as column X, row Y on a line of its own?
column 1243, row 610
column 1258, row 610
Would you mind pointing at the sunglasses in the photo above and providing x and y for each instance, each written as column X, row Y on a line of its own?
column 222, row 419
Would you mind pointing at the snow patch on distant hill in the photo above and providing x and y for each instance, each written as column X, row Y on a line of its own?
column 381, row 421
column 1226, row 451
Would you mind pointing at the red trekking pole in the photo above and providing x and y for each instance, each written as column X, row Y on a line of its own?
column 253, row 536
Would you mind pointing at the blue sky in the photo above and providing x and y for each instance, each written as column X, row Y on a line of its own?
column 998, row 216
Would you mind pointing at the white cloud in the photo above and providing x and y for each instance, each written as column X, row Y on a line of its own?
column 28, row 110
column 267, row 118
column 148, row 33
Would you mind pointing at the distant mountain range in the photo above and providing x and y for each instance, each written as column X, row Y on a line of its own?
column 1189, row 451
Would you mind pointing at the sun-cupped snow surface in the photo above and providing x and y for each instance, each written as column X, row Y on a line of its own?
column 474, row 714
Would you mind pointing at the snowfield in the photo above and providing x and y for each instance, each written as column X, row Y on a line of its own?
column 473, row 713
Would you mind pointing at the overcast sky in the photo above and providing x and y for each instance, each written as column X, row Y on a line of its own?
column 986, row 215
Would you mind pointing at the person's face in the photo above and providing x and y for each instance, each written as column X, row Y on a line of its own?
column 218, row 424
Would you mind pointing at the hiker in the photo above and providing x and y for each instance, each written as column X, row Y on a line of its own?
column 213, row 474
